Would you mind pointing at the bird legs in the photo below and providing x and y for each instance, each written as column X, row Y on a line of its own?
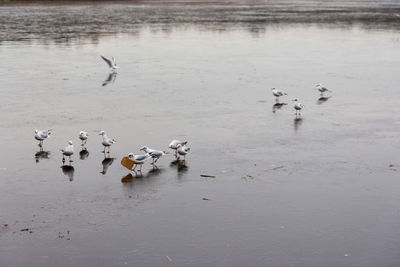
column 70, row 159
column 135, row 165
column 83, row 143
column 104, row 150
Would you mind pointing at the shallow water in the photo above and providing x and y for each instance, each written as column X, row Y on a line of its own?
column 320, row 191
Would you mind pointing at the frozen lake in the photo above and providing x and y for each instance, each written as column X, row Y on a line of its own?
column 319, row 191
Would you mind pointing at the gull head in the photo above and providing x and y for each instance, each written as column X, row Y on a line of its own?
column 130, row 155
column 273, row 88
column 36, row 131
column 144, row 148
column 102, row 133
column 70, row 143
column 295, row 100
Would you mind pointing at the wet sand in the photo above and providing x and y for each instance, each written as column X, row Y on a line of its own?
column 320, row 191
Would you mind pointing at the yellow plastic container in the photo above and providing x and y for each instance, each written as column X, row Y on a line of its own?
column 127, row 163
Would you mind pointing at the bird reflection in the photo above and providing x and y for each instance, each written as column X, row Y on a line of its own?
column 83, row 154
column 322, row 99
column 68, row 170
column 297, row 122
column 277, row 106
column 180, row 164
column 127, row 178
column 106, row 164
column 154, row 172
column 41, row 155
column 110, row 78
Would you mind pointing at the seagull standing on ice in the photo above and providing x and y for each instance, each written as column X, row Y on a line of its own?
column 107, row 142
column 67, row 151
column 139, row 160
column 322, row 89
column 155, row 154
column 41, row 135
column 277, row 93
column 111, row 63
column 174, row 145
column 182, row 151
column 83, row 136
column 298, row 106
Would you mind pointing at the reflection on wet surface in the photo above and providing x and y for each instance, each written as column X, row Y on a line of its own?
column 41, row 155
column 322, row 99
column 277, row 106
column 68, row 171
column 107, row 161
column 68, row 24
column 297, row 123
column 283, row 192
column 110, row 78
column 83, row 154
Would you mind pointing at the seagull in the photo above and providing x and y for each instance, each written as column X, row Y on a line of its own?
column 139, row 159
column 83, row 136
column 107, row 142
column 182, row 150
column 155, row 154
column 67, row 151
column 298, row 106
column 111, row 63
column 277, row 93
column 322, row 89
column 174, row 145
column 41, row 135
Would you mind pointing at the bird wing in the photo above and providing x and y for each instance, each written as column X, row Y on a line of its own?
column 43, row 134
column 141, row 157
column 107, row 61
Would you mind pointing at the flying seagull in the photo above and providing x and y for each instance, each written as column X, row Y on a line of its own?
column 111, row 63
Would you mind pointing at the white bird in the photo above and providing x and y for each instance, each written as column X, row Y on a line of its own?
column 182, row 151
column 107, row 142
column 298, row 106
column 83, row 136
column 41, row 135
column 277, row 93
column 111, row 63
column 322, row 89
column 155, row 154
column 174, row 145
column 139, row 160
column 67, row 151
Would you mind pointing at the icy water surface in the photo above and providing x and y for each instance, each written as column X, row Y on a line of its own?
column 322, row 190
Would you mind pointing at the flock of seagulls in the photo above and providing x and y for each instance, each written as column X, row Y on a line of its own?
column 297, row 105
column 179, row 146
